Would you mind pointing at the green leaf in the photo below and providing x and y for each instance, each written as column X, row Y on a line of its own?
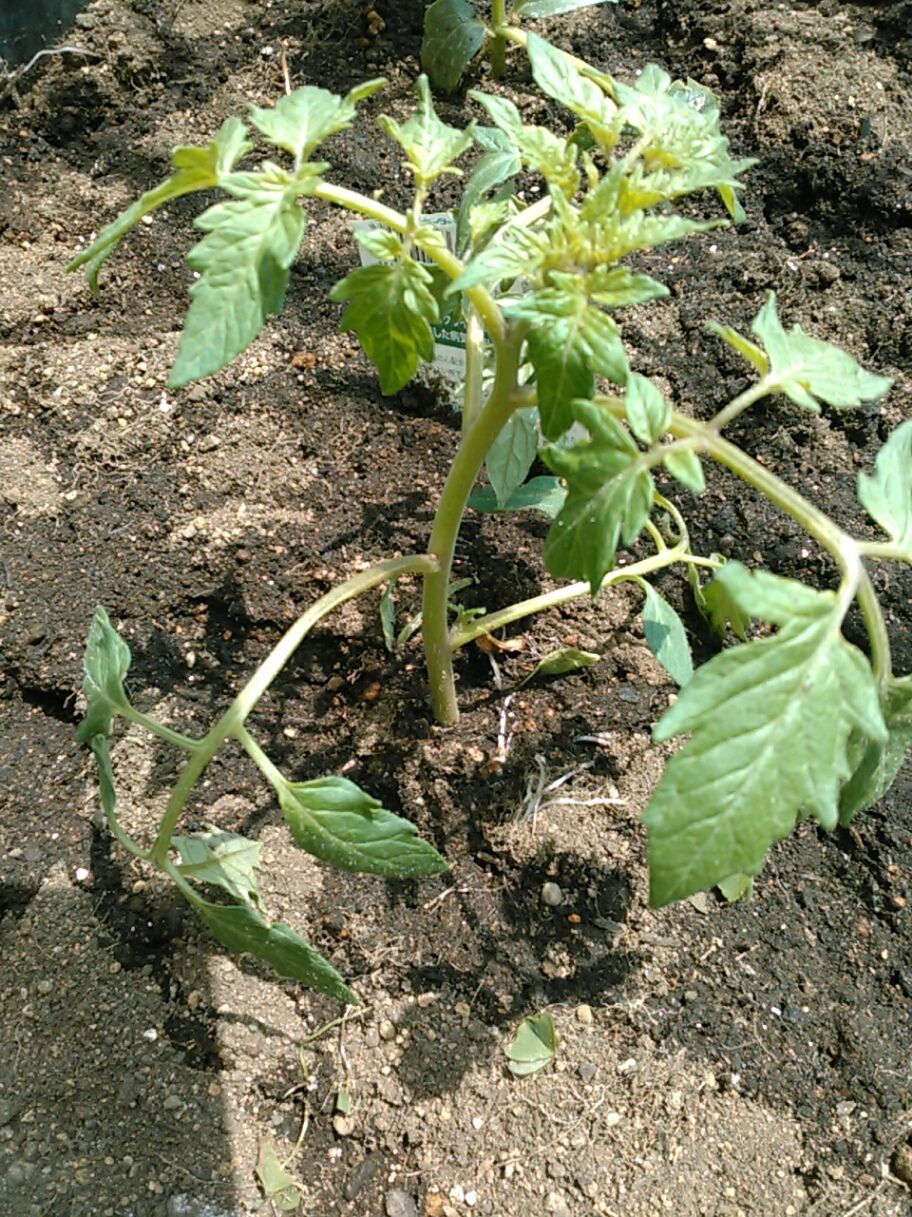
column 195, row 169
column 886, row 494
column 551, row 8
column 105, row 664
column 685, row 467
column 770, row 724
column 391, row 309
column 453, row 36
column 558, row 663
column 515, row 251
column 242, row 930
column 540, row 149
column 335, row 820
column 380, row 243
column 278, row 1186
column 666, row 636
column 101, row 748
column 499, row 163
column 544, row 494
column 243, row 263
column 749, row 350
column 737, row 887
column 558, row 76
column 430, row 145
column 609, row 497
column 301, row 120
column 721, row 610
column 570, row 341
column 224, row 859
column 648, row 413
column 534, row 1045
column 806, row 368
column 878, row 763
column 511, row 455
column 620, row 288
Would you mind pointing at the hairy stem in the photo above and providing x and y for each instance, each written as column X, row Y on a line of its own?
column 466, row 464
column 269, row 669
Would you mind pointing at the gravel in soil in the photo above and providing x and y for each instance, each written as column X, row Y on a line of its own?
column 713, row 1060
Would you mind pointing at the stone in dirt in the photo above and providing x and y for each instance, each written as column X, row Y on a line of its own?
column 398, row 1203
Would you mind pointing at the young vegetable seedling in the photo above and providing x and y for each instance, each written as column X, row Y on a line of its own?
column 790, row 724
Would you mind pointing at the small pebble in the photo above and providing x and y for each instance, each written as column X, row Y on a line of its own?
column 398, row 1203
column 587, row 1071
column 551, row 895
column 386, row 1029
column 584, row 1015
column 172, row 1102
column 343, row 1126
column 45, row 987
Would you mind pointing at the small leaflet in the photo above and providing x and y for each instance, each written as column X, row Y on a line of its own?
column 533, row 1046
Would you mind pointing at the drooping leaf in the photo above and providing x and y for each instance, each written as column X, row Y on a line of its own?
column 242, row 930
column 243, row 263
column 648, row 413
column 391, row 309
column 558, row 663
column 886, row 494
column 453, row 36
column 544, row 494
column 302, row 119
column 685, row 467
column 225, row 859
column 551, row 8
column 877, row 764
column 808, row 369
column 570, row 342
column 105, row 664
column 666, row 636
column 609, row 497
column 194, row 169
column 534, row 1045
column 430, row 145
column 335, row 820
column 279, row 1188
column 770, row 724
column 511, row 455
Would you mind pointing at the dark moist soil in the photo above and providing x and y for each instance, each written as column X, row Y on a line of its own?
column 715, row 1060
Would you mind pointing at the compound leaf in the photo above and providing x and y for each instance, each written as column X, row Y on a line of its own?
column 609, row 497
column 335, row 820
column 886, row 494
column 243, row 263
column 105, row 664
column 453, row 36
column 770, row 724
column 806, row 369
column 304, row 118
column 391, row 309
column 430, row 145
column 225, row 859
column 242, row 930
column 666, row 636
column 534, row 1045
column 194, row 169
column 511, row 455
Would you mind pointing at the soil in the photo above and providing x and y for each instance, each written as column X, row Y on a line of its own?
column 714, row 1060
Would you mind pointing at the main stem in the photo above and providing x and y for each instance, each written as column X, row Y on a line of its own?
column 498, row 43
column 438, row 647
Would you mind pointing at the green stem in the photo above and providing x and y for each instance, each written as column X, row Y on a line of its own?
column 843, row 548
column 498, row 42
column 466, row 464
column 886, row 551
column 159, row 729
column 742, row 402
column 481, row 298
column 269, row 771
column 511, row 34
column 266, row 673
column 561, row 595
column 473, row 389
